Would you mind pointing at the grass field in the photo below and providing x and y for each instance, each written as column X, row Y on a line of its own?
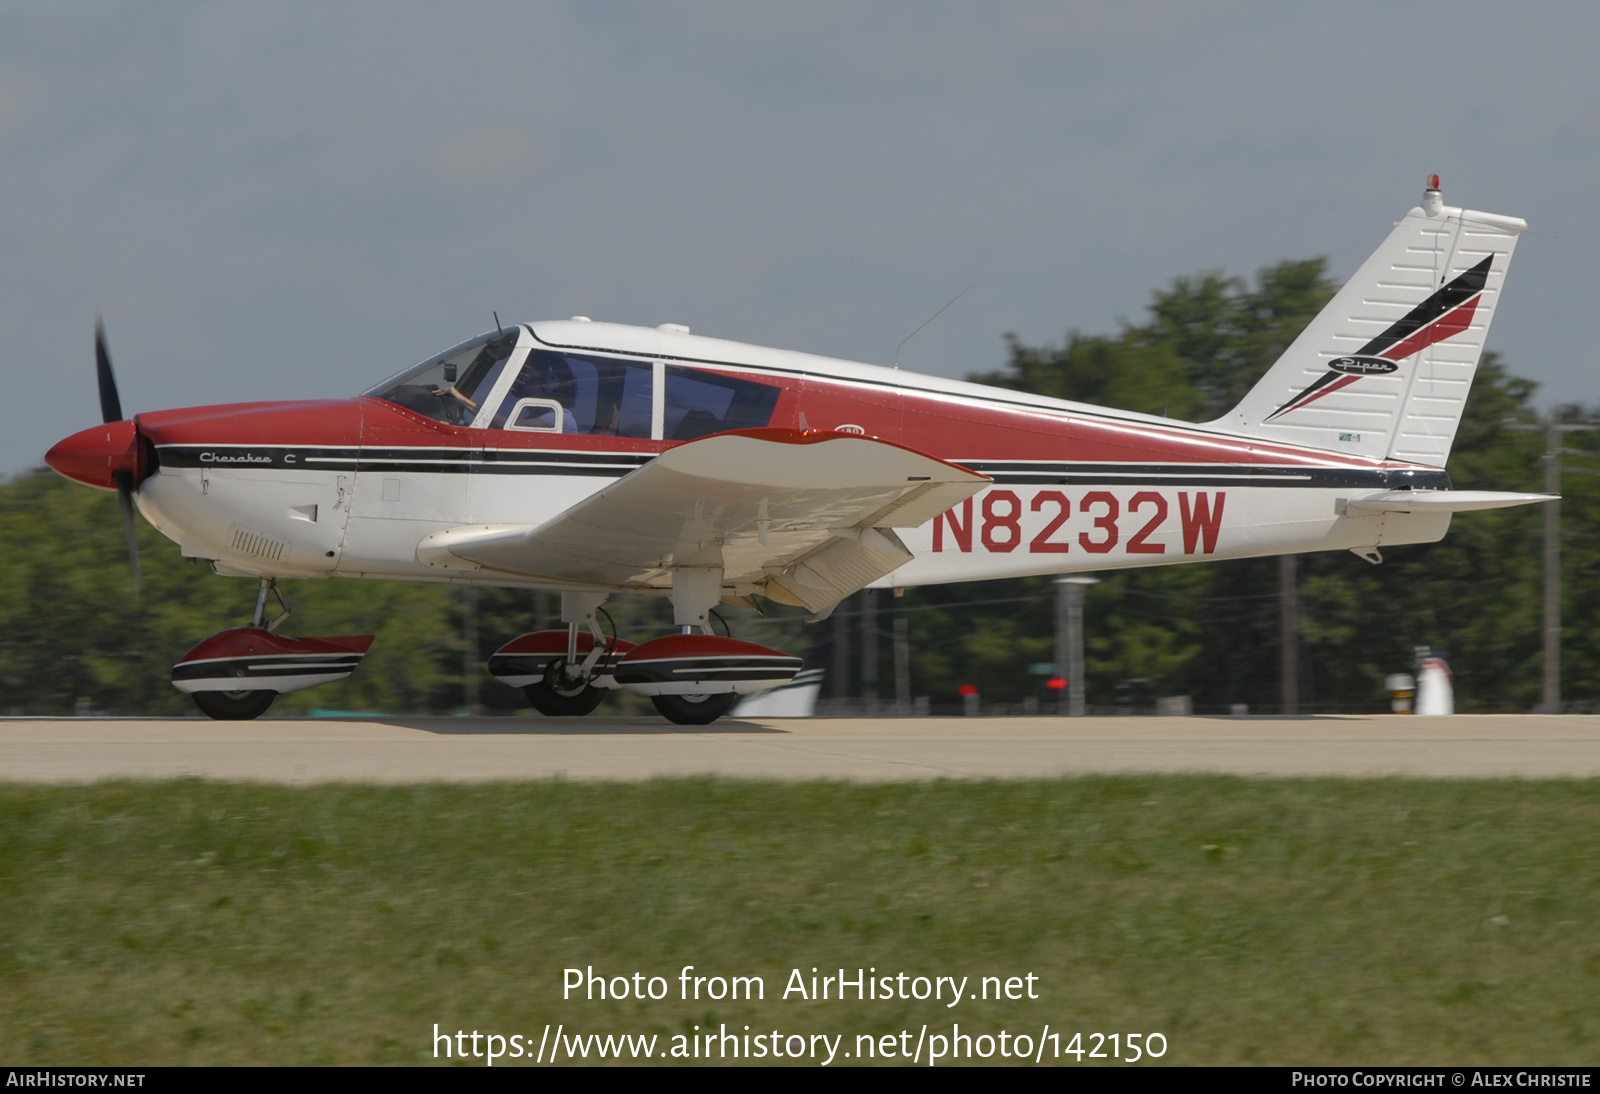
column 1299, row 921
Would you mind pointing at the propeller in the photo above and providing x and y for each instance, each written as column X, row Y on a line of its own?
column 111, row 411
column 110, row 404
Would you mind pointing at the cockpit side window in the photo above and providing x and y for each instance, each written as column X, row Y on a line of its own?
column 701, row 403
column 451, row 387
column 597, row 395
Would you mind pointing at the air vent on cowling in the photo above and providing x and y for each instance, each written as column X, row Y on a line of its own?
column 259, row 544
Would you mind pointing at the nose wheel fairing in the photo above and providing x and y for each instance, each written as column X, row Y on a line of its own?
column 242, row 659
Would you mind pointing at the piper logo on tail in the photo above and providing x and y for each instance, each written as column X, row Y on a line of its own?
column 1446, row 313
column 1363, row 366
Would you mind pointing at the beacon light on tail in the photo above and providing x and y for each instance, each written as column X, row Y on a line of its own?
column 605, row 461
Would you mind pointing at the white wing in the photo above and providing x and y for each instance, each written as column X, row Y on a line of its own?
column 804, row 519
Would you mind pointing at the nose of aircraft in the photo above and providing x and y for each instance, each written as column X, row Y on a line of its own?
column 96, row 455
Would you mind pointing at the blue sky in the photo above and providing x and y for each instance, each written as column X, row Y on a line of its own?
column 295, row 200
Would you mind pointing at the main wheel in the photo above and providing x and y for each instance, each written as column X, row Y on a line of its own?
column 694, row 710
column 556, row 698
column 234, row 706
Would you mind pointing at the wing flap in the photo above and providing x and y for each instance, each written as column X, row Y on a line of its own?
column 838, row 568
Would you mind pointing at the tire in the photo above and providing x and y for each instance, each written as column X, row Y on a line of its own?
column 233, row 706
column 552, row 704
column 694, row 710
column 553, row 700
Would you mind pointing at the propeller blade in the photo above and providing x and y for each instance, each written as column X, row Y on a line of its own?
column 110, row 404
column 130, row 527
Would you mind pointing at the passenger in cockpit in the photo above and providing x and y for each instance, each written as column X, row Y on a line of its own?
column 544, row 376
column 607, row 420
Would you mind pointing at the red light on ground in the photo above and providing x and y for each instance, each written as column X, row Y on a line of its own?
column 1055, row 683
column 967, row 689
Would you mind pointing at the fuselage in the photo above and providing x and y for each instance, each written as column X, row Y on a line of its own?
column 350, row 487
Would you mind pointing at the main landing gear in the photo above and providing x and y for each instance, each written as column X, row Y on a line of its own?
column 692, row 678
column 560, row 695
column 564, row 674
column 236, row 674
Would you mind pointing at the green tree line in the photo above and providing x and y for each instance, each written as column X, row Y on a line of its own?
column 74, row 635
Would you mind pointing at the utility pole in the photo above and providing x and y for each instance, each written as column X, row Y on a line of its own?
column 1289, row 633
column 1069, row 641
column 1554, row 429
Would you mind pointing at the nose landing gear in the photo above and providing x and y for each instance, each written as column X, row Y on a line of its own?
column 233, row 706
column 237, row 673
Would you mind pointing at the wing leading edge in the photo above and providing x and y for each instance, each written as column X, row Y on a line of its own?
column 802, row 518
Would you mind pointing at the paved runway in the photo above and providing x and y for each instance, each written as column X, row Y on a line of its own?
column 299, row 751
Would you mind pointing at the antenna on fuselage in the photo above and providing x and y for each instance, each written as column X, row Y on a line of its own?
column 497, row 325
column 925, row 322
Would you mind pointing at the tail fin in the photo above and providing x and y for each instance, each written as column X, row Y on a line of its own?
column 1384, row 369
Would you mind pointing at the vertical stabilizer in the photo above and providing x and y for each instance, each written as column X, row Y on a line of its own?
column 1385, row 368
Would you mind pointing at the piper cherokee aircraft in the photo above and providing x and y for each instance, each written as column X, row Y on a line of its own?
column 602, row 460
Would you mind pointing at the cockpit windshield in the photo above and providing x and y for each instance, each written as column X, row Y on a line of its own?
column 453, row 386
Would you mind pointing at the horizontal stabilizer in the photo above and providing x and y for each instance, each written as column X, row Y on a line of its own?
column 1445, row 501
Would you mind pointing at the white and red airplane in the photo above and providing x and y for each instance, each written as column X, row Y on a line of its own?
column 600, row 459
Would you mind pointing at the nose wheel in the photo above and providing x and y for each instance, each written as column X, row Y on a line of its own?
column 236, row 674
column 241, row 706
column 233, row 706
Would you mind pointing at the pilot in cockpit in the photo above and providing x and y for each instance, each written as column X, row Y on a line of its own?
column 449, row 391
